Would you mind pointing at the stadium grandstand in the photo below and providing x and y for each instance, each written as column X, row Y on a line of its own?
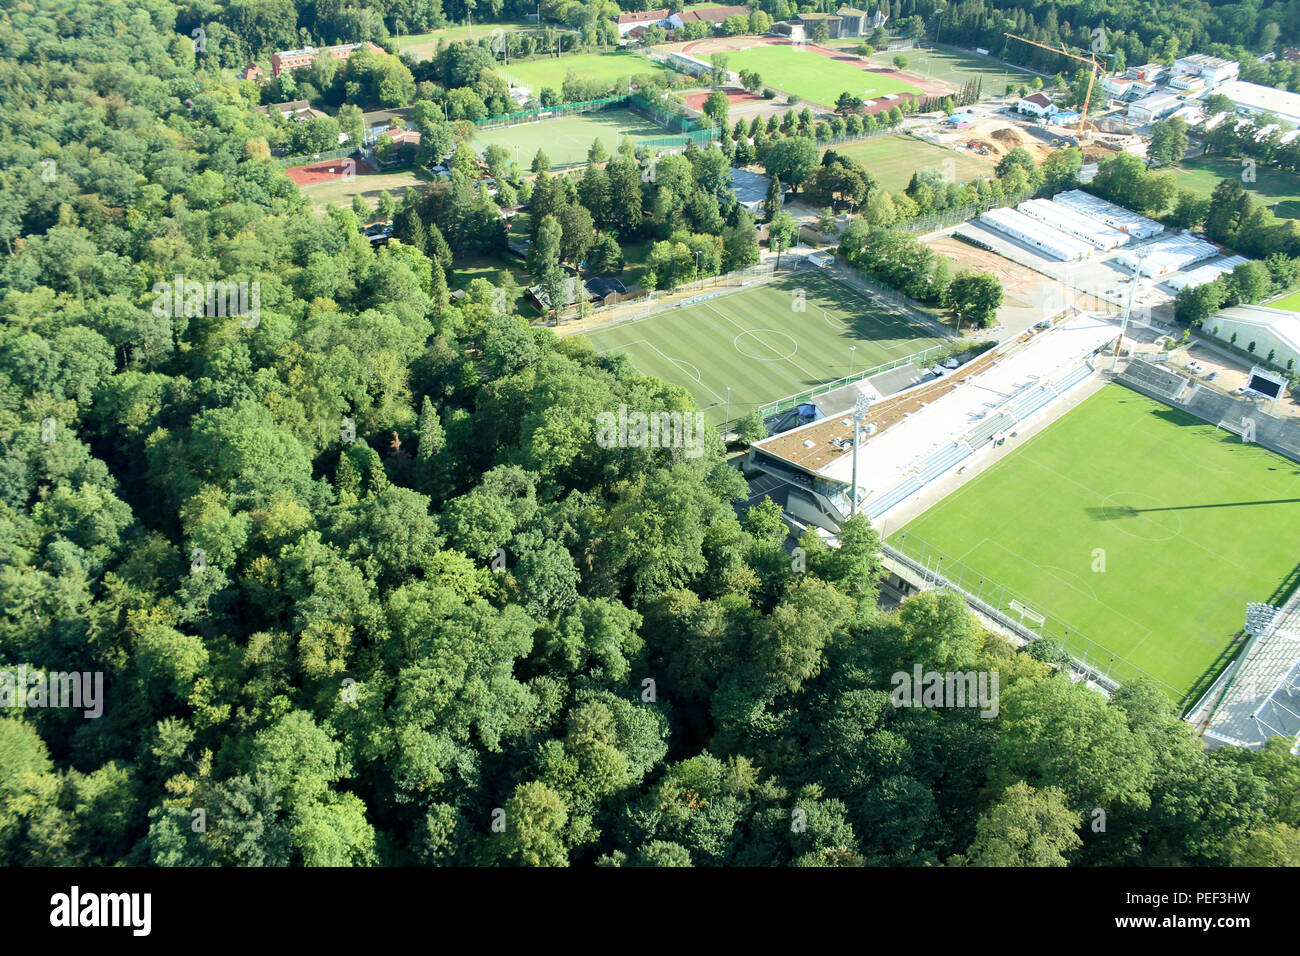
column 1153, row 379
column 1258, row 697
column 923, row 433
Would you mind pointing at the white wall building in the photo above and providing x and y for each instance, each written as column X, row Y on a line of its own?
column 1074, row 223
column 1036, row 104
column 1038, row 235
column 1167, row 255
column 1154, row 107
column 1272, row 330
column 1212, row 69
column 1252, row 99
column 1117, row 217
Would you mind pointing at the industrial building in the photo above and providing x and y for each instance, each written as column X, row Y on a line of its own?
column 1074, row 223
column 1117, row 217
column 1253, row 99
column 1038, row 235
column 1170, row 254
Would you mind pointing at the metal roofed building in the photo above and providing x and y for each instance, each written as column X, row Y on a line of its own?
column 1074, row 223
column 1252, row 98
column 1203, row 274
column 1170, row 254
column 1037, row 235
column 1272, row 330
column 1117, row 217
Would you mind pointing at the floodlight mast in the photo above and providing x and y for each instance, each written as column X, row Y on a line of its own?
column 1128, row 309
column 860, row 409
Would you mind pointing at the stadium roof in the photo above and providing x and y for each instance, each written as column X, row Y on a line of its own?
column 1262, row 697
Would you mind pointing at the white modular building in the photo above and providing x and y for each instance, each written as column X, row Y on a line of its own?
column 1203, row 274
column 1117, row 217
column 1038, row 235
column 1074, row 223
column 1167, row 255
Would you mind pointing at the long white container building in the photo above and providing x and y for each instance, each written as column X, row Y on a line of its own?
column 1117, row 217
column 1051, row 242
column 1167, row 255
column 1203, row 274
column 1076, row 224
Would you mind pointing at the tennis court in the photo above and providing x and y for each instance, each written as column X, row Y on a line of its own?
column 765, row 342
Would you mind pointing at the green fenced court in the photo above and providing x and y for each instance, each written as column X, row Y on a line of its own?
column 764, row 342
column 1129, row 525
column 567, row 139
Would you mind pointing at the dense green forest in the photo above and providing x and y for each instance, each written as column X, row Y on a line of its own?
column 365, row 589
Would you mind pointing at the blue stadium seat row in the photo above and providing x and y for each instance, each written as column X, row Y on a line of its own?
column 878, row 506
column 941, row 461
column 1029, row 401
column 1080, row 374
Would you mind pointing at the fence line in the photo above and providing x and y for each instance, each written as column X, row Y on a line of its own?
column 304, row 159
column 790, row 401
column 1002, row 605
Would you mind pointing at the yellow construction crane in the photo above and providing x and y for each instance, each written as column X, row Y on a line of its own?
column 1093, row 69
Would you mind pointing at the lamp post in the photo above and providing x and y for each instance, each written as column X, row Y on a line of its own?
column 699, row 277
column 728, row 418
column 860, row 409
column 1128, row 309
column 852, row 349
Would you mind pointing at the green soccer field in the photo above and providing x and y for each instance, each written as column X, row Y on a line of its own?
column 1291, row 302
column 759, row 345
column 957, row 68
column 538, row 74
column 566, row 140
column 1134, row 524
column 812, row 76
column 893, row 159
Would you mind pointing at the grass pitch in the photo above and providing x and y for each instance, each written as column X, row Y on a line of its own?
column 610, row 67
column 755, row 342
column 1278, row 190
column 1191, row 524
column 812, row 76
column 893, row 160
column 1291, row 302
column 566, row 140
column 957, row 68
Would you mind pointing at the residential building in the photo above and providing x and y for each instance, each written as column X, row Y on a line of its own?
column 375, row 122
column 625, row 22
column 1036, row 104
column 296, row 110
column 713, row 16
column 251, row 72
column 297, row 59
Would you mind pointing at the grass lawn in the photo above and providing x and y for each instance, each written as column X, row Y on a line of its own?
column 1191, row 523
column 893, row 159
column 609, row 67
column 567, row 139
column 422, row 45
column 957, row 68
column 812, row 76
column 340, row 191
column 755, row 341
column 1203, row 173
column 468, row 268
column 1291, row 301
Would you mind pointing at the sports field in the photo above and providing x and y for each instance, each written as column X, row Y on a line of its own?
column 1136, row 525
column 369, row 185
column 893, row 159
column 422, row 46
column 1291, row 302
column 609, row 67
column 957, row 68
column 812, row 76
column 765, row 342
column 1278, row 190
column 566, row 140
